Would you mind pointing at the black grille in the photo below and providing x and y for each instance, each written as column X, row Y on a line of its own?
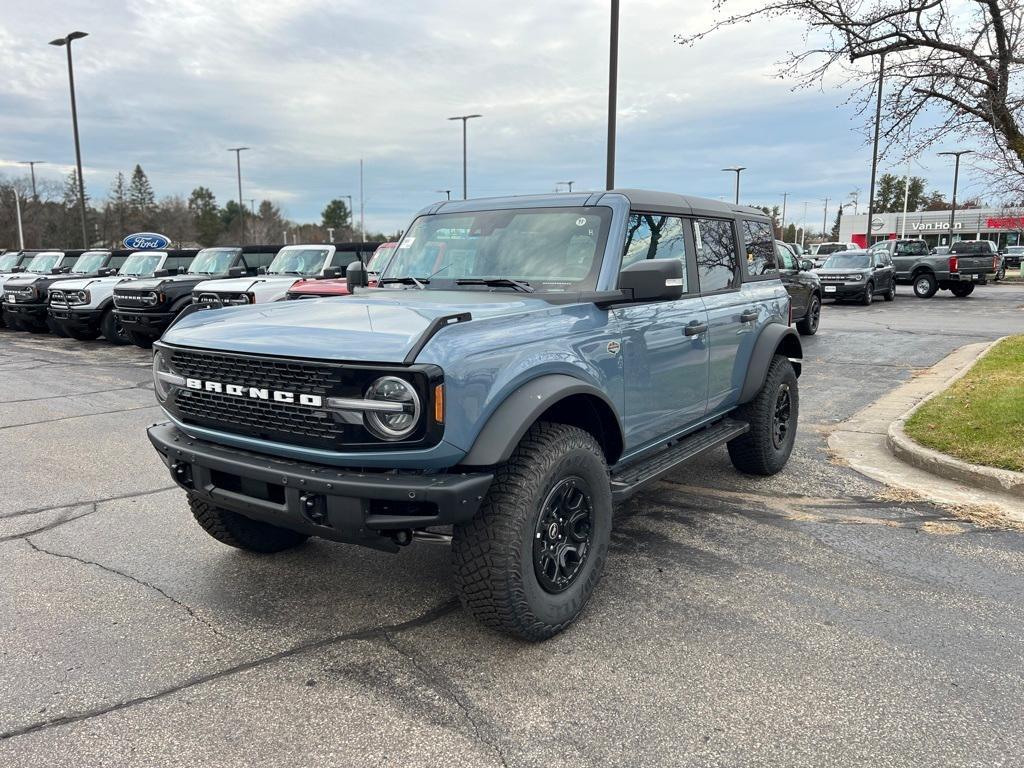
column 281, row 422
column 131, row 300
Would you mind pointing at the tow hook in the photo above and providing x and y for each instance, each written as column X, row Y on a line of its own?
column 182, row 473
column 402, row 538
column 314, row 508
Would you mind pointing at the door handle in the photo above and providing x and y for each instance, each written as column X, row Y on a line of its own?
column 695, row 328
column 749, row 316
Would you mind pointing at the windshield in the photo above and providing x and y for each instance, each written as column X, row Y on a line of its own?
column 380, row 258
column 90, row 262
column 142, row 263
column 848, row 261
column 301, row 261
column 212, row 261
column 9, row 261
column 831, row 248
column 551, row 249
column 44, row 262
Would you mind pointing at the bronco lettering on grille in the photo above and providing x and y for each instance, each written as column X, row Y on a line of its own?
column 255, row 393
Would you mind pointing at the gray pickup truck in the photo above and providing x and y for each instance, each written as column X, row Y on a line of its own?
column 968, row 263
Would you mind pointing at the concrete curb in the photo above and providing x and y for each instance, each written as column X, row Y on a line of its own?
column 862, row 443
column 907, row 449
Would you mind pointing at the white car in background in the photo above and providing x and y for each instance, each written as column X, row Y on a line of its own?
column 292, row 263
column 824, row 250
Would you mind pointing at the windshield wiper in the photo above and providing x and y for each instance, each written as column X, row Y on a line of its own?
column 498, row 282
column 407, row 280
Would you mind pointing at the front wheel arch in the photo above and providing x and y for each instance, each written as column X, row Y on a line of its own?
column 775, row 339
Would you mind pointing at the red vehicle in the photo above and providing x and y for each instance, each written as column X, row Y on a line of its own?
column 314, row 288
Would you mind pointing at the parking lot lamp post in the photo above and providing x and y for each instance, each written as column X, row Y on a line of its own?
column 613, row 87
column 241, row 203
column 464, row 119
column 446, row 192
column 824, row 222
column 782, row 224
column 956, row 178
column 567, row 183
column 32, row 169
column 66, row 42
column 17, row 210
column 803, row 227
column 737, row 169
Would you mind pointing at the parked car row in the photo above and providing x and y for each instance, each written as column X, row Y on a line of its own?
column 133, row 296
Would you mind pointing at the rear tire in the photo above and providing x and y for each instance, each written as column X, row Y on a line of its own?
column 962, row 290
column 773, row 416
column 139, row 339
column 808, row 325
column 925, row 285
column 242, row 532
column 111, row 329
column 529, row 560
column 1001, row 274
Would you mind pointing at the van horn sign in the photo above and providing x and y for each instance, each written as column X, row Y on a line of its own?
column 146, row 241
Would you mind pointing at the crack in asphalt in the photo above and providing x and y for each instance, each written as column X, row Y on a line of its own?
column 79, row 416
column 93, row 508
column 446, row 689
column 369, row 633
column 75, row 504
column 140, row 385
column 187, row 608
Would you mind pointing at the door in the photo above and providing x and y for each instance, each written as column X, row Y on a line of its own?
column 798, row 287
column 882, row 272
column 664, row 343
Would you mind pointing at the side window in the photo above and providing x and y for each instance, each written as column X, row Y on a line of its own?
column 786, row 259
column 652, row 236
column 716, row 254
column 759, row 243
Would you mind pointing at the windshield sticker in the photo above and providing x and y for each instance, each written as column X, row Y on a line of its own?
column 581, row 221
column 407, row 243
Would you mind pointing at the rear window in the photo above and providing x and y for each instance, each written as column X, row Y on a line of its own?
column 983, row 247
column 827, row 248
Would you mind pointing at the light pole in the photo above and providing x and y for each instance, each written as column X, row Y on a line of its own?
column 567, row 183
column 782, row 225
column 464, row 119
column 351, row 213
column 17, row 209
column 241, row 203
column 803, row 226
column 447, row 193
column 66, row 42
column 737, row 169
column 32, row 169
column 824, row 223
column 878, row 121
column 956, row 178
column 613, row 86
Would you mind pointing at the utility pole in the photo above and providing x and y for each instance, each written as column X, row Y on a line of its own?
column 782, row 225
column 241, row 203
column 32, row 169
column 803, row 227
column 464, row 119
column 906, row 199
column 956, row 178
column 66, row 42
column 17, row 208
column 613, row 86
column 824, row 222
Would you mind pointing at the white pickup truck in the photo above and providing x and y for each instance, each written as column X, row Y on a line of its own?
column 292, row 263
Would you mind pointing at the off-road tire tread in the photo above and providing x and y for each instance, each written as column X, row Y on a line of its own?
column 488, row 574
column 753, row 452
column 242, row 532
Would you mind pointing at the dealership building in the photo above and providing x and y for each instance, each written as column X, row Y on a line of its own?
column 1005, row 226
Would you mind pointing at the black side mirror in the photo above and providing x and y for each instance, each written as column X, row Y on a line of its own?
column 165, row 272
column 261, row 271
column 107, row 271
column 17, row 269
column 238, row 271
column 806, row 265
column 332, row 273
column 355, row 276
column 653, row 280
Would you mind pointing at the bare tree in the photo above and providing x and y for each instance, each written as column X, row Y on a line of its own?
column 955, row 64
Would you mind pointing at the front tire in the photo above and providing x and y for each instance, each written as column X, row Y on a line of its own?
column 925, row 285
column 140, row 339
column 530, row 559
column 111, row 329
column 890, row 295
column 869, row 295
column 773, row 416
column 808, row 325
column 242, row 532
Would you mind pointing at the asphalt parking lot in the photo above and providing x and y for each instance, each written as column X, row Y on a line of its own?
column 806, row 619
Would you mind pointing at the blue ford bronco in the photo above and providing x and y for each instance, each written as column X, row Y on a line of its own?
column 524, row 364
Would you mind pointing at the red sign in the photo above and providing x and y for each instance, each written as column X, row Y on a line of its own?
column 1006, row 222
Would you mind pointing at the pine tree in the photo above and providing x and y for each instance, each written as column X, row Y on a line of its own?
column 117, row 203
column 206, row 215
column 835, row 226
column 141, row 199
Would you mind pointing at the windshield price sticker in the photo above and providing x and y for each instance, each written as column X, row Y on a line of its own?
column 407, row 243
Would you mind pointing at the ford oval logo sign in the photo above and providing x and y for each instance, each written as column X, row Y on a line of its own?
column 146, row 241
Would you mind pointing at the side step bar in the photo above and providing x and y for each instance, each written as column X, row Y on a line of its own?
column 632, row 477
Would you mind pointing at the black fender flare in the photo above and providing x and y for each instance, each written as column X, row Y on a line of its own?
column 776, row 338
column 521, row 409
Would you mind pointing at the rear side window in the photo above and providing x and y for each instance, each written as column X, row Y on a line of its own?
column 915, row 248
column 653, row 236
column 759, row 244
column 716, row 254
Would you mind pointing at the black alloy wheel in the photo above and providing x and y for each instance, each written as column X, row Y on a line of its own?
column 781, row 415
column 562, row 537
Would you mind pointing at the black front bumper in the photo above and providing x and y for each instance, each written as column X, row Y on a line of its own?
column 147, row 323
column 78, row 319
column 843, row 290
column 29, row 314
column 358, row 507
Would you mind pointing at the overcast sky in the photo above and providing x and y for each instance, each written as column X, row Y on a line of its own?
column 313, row 86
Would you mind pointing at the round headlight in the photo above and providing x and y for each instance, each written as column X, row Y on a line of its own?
column 161, row 385
column 398, row 423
